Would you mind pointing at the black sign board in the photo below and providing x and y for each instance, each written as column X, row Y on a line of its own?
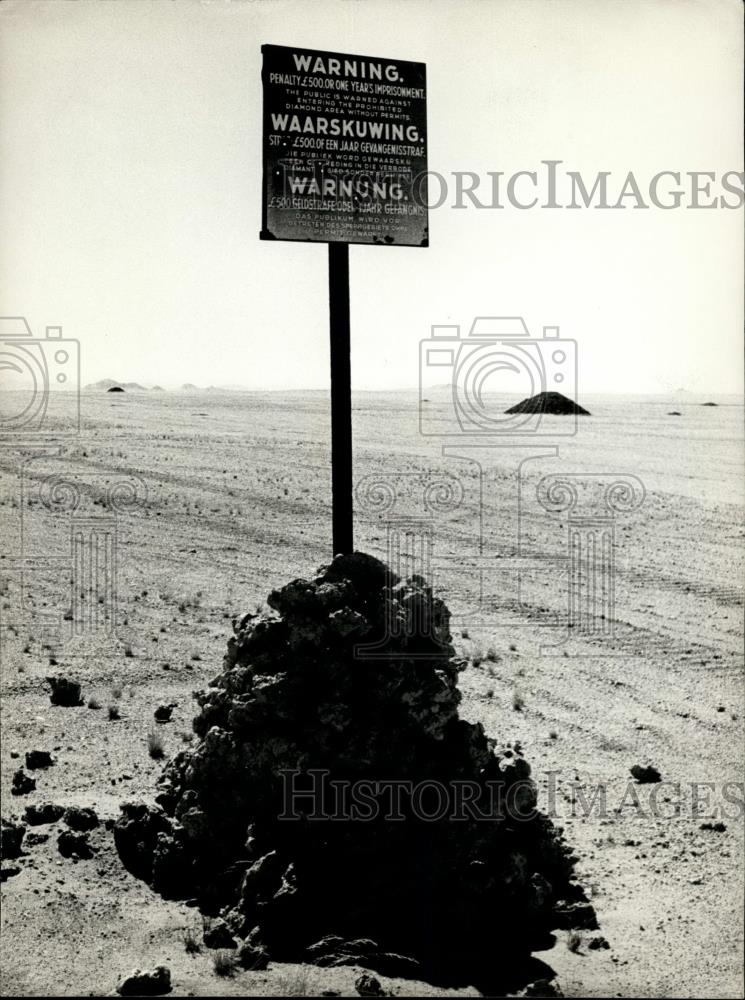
column 345, row 148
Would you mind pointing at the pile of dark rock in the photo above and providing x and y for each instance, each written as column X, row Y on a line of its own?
column 352, row 679
column 555, row 403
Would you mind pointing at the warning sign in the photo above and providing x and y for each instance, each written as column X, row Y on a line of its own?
column 345, row 148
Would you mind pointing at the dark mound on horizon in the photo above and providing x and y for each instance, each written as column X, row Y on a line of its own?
column 115, row 388
column 354, row 873
column 549, row 402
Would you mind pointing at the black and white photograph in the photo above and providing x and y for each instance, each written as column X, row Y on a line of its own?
column 372, row 494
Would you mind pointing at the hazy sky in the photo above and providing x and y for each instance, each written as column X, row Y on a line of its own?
column 130, row 187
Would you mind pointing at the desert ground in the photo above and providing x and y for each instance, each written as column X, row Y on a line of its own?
column 221, row 496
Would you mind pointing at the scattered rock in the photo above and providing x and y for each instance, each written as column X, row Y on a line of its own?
column 36, row 837
column 65, row 692
column 80, row 818
column 74, row 845
column 576, row 916
column 333, row 951
column 543, row 988
column 645, row 774
column 38, row 759
column 11, row 838
column 598, row 943
column 143, row 838
column 674, row 413
column 717, row 827
column 163, row 713
column 152, row 983
column 43, row 812
column 252, row 953
column 218, row 935
column 368, row 986
column 22, row 783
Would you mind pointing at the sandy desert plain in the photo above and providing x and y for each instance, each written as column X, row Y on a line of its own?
column 234, row 499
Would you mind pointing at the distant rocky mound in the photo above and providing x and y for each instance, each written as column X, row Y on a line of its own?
column 710, row 404
column 549, row 402
column 116, row 388
column 405, row 890
column 157, row 388
column 189, row 387
column 107, row 384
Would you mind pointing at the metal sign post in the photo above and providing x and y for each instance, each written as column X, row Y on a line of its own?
column 345, row 161
column 341, row 400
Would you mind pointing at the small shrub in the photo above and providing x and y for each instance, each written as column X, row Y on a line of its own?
column 155, row 746
column 114, row 713
column 192, row 944
column 94, row 703
column 518, row 702
column 128, row 651
column 490, row 692
column 574, row 942
column 116, row 692
column 296, row 984
column 553, row 735
column 513, row 647
column 224, row 962
column 492, row 655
